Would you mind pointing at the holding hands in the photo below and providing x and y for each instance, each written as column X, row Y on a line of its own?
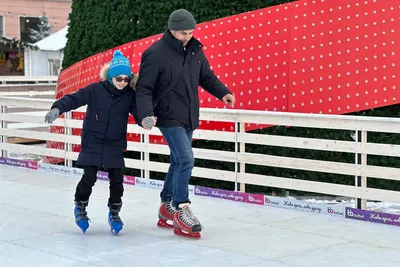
column 148, row 122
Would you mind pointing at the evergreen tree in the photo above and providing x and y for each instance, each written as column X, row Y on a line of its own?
column 98, row 25
column 44, row 30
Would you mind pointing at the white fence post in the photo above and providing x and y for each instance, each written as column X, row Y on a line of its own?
column 146, row 156
column 2, row 137
column 5, row 125
column 357, row 178
column 363, row 164
column 361, row 161
column 242, row 149
column 236, row 152
column 142, row 155
column 67, row 132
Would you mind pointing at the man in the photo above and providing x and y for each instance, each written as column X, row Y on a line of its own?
column 167, row 89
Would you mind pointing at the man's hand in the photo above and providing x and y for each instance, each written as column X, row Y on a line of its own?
column 229, row 99
column 149, row 122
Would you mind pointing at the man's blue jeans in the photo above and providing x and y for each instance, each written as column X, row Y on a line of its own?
column 176, row 184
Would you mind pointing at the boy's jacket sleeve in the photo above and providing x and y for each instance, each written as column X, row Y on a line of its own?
column 75, row 100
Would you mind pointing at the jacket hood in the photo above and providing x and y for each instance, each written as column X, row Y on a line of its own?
column 104, row 71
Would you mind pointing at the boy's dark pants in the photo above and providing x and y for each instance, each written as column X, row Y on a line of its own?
column 89, row 177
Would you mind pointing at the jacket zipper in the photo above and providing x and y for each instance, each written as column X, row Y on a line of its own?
column 108, row 121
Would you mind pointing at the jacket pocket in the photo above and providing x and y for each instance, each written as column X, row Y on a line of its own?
column 165, row 103
column 167, row 75
column 178, row 106
column 87, row 140
column 171, row 65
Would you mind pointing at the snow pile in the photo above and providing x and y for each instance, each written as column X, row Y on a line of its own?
column 388, row 207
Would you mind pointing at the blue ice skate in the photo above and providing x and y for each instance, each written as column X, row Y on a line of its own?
column 114, row 220
column 80, row 214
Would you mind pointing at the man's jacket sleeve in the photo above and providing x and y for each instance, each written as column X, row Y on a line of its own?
column 210, row 82
column 145, row 86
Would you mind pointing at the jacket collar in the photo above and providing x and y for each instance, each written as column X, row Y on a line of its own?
column 114, row 91
column 193, row 45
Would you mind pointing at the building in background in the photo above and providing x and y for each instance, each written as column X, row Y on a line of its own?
column 45, row 59
column 24, row 22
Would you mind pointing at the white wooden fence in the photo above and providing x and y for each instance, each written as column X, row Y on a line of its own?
column 28, row 86
column 27, row 79
column 360, row 170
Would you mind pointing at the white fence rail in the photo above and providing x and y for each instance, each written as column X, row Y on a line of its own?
column 360, row 148
column 28, row 86
column 27, row 79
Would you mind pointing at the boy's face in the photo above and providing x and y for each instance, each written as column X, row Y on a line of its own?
column 183, row 36
column 120, row 81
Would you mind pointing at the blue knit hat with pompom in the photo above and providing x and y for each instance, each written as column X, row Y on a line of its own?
column 119, row 65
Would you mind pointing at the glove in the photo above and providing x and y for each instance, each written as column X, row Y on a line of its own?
column 52, row 115
column 148, row 122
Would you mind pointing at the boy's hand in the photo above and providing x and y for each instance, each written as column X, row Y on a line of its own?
column 52, row 115
column 149, row 122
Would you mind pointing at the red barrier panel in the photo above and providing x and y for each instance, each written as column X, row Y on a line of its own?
column 314, row 56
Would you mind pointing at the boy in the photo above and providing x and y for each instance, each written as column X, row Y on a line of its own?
column 104, row 130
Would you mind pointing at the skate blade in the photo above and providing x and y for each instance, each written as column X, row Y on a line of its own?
column 164, row 224
column 115, row 229
column 178, row 231
column 115, row 232
column 83, row 229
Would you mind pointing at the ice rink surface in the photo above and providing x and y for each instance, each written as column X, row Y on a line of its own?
column 38, row 229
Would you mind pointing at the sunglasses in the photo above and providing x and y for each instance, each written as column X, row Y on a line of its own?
column 120, row 79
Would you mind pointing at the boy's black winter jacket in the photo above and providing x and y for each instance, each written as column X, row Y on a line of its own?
column 103, row 139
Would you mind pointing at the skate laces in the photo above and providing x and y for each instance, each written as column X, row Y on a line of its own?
column 114, row 215
column 188, row 218
column 115, row 218
column 115, row 208
column 81, row 214
column 170, row 208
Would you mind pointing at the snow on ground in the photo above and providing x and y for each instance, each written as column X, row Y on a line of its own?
column 388, row 207
column 27, row 156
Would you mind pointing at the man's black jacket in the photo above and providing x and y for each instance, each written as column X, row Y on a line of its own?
column 160, row 65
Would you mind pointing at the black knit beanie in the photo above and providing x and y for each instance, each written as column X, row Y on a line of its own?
column 181, row 20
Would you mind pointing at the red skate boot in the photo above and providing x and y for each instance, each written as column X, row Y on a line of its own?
column 185, row 223
column 166, row 213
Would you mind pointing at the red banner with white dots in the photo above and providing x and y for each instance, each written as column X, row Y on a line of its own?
column 312, row 56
